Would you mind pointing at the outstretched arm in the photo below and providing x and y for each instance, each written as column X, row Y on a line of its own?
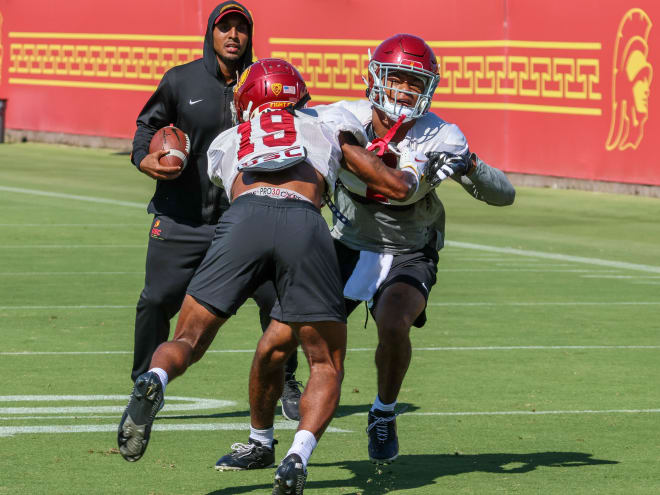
column 482, row 181
column 392, row 183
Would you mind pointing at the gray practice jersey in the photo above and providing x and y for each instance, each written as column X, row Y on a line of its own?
column 381, row 225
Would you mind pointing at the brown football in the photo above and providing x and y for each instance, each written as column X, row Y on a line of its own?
column 175, row 141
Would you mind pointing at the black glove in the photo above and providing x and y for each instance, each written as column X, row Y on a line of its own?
column 442, row 165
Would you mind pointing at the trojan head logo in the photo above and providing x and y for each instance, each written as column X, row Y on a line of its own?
column 276, row 88
column 631, row 81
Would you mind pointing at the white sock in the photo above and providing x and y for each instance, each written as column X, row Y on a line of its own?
column 162, row 374
column 383, row 407
column 303, row 444
column 264, row 437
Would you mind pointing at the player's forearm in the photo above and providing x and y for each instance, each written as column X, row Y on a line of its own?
column 489, row 184
column 141, row 140
column 389, row 182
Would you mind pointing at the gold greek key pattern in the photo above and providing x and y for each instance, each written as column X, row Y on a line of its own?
column 62, row 60
column 323, row 70
column 520, row 75
column 499, row 75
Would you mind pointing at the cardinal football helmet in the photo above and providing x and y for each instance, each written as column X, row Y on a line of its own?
column 267, row 83
column 402, row 53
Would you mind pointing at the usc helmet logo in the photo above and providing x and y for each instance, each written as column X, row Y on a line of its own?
column 631, row 81
column 242, row 79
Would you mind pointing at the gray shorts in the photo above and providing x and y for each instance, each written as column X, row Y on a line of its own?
column 286, row 241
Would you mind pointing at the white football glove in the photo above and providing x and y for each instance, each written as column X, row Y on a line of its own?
column 443, row 165
column 413, row 162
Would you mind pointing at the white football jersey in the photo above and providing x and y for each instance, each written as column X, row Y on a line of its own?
column 430, row 133
column 277, row 135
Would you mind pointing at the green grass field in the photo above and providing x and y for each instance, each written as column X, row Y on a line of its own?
column 537, row 372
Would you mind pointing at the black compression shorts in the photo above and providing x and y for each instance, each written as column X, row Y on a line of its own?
column 283, row 240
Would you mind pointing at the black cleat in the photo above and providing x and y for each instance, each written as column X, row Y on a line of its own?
column 383, row 441
column 290, row 476
column 135, row 425
column 291, row 399
column 252, row 455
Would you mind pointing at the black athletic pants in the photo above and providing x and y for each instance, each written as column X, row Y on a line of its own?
column 175, row 251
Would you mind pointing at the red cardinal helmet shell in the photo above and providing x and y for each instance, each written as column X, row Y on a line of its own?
column 267, row 83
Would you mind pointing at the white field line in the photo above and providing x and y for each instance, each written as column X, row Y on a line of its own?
column 6, row 431
column 452, row 304
column 442, row 270
column 554, row 256
column 531, row 264
column 89, row 199
column 97, row 306
column 173, row 403
column 549, row 303
column 75, row 246
column 596, row 273
column 358, row 349
column 466, row 245
column 533, row 413
column 84, row 225
column 26, row 274
column 637, row 277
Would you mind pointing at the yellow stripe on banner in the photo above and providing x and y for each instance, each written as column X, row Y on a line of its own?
column 333, row 98
column 81, row 84
column 482, row 106
column 101, row 36
column 558, row 45
column 323, row 42
column 521, row 107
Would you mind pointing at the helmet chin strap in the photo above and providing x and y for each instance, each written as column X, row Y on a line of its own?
column 380, row 145
column 246, row 112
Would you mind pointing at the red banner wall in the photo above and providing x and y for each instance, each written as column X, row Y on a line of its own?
column 558, row 88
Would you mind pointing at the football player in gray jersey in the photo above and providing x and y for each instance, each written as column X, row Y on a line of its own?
column 387, row 249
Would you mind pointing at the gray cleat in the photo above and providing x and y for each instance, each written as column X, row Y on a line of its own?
column 135, row 425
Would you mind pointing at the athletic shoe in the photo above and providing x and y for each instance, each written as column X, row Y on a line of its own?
column 383, row 441
column 252, row 455
column 290, row 476
column 135, row 425
column 291, row 399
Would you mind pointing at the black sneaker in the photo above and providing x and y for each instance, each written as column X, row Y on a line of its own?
column 290, row 476
column 383, row 441
column 291, row 399
column 135, row 425
column 250, row 456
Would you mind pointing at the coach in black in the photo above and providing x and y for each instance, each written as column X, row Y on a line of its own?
column 195, row 97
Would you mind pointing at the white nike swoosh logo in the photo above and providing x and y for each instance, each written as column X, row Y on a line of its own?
column 193, row 102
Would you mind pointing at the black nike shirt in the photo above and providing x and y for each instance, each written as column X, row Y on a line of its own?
column 195, row 98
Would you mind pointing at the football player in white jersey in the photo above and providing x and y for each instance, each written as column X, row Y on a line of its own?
column 275, row 166
column 388, row 248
